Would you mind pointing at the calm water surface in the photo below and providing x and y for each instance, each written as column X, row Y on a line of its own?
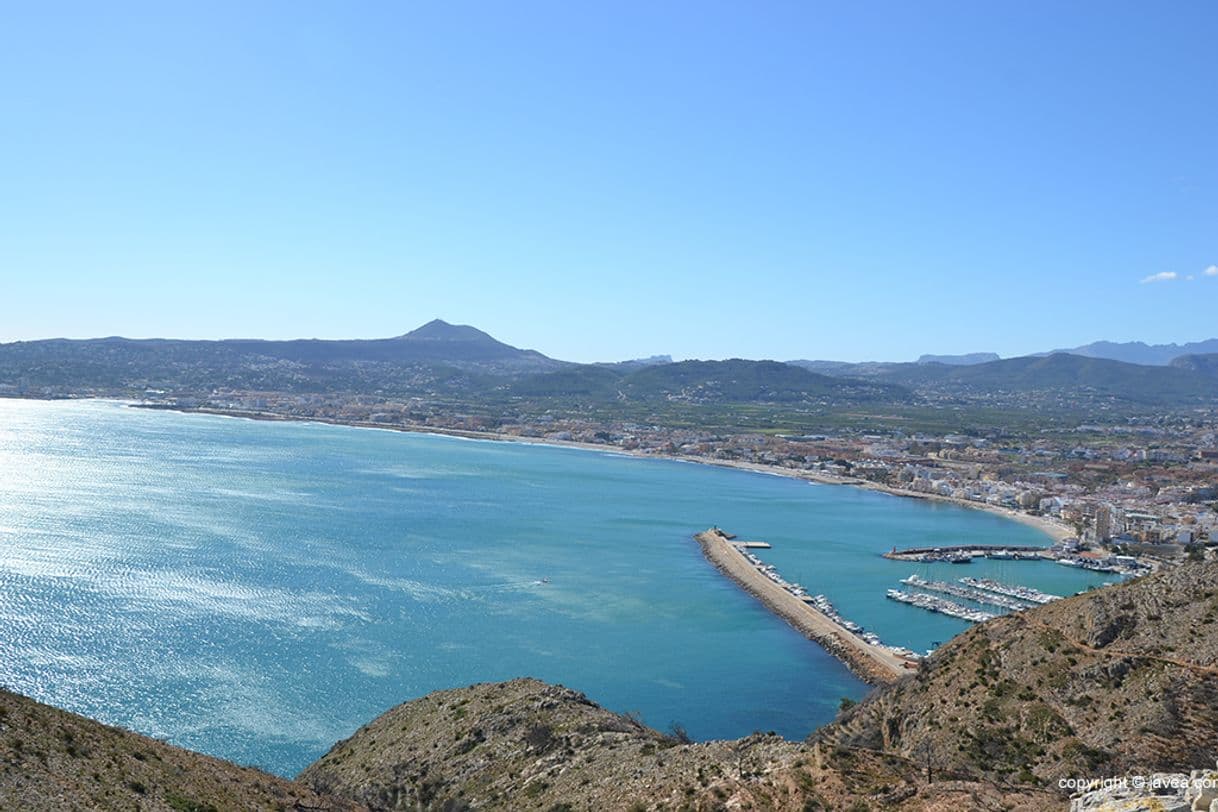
column 259, row 590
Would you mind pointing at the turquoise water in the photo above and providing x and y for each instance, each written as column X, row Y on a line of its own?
column 259, row 590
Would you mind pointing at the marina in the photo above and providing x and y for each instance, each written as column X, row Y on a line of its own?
column 1026, row 593
column 859, row 647
column 968, row 593
column 964, row 554
column 1121, row 565
column 932, row 603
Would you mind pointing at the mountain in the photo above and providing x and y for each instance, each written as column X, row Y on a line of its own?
column 732, row 381
column 1072, row 373
column 1137, row 352
column 460, row 363
column 638, row 363
column 439, row 330
column 438, row 355
column 847, row 369
column 434, row 342
column 438, row 340
column 1131, row 352
column 1202, row 364
column 959, row 360
column 738, row 380
column 1060, row 375
column 593, row 381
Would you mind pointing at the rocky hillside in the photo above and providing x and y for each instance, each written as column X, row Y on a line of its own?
column 525, row 745
column 1121, row 679
column 54, row 760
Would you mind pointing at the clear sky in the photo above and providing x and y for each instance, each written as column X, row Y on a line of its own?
column 846, row 180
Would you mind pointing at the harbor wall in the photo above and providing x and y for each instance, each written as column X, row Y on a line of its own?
column 873, row 664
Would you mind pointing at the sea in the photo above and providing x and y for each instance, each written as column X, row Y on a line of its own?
column 259, row 590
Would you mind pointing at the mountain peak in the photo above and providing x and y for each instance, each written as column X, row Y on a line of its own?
column 440, row 330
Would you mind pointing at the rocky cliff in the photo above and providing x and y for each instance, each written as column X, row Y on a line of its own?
column 54, row 760
column 1117, row 680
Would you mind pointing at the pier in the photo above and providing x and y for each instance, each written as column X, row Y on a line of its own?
column 960, row 554
column 943, row 606
column 868, row 658
column 1025, row 593
column 968, row 593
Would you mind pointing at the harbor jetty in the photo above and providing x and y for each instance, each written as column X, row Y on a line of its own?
column 869, row 659
column 963, row 554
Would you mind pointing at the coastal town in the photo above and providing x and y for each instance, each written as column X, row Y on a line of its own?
column 1115, row 496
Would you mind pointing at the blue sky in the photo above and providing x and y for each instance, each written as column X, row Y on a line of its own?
column 868, row 180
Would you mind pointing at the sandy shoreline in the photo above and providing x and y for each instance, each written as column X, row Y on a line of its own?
column 873, row 664
column 1054, row 529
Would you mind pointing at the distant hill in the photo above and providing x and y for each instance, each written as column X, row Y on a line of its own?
column 1203, row 364
column 1137, row 352
column 738, row 380
column 434, row 342
column 440, row 331
column 1059, row 373
column 420, row 360
column 1063, row 372
column 732, row 381
column 594, row 381
column 1131, row 352
column 959, row 360
column 462, row 363
column 638, row 363
column 848, row 369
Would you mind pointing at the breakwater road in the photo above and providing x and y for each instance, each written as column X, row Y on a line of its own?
column 874, row 664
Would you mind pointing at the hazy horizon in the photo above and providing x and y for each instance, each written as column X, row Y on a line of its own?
column 562, row 357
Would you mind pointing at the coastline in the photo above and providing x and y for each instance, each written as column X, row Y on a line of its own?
column 873, row 664
column 1055, row 530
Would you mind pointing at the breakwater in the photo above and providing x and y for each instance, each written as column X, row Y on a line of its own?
column 876, row 664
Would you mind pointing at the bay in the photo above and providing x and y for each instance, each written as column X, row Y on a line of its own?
column 257, row 591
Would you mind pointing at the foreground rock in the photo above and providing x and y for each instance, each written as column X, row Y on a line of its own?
column 528, row 745
column 1117, row 681
column 54, row 760
column 1159, row 792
